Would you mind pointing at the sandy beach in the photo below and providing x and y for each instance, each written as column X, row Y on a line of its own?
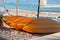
column 21, row 35
column 31, row 13
column 8, row 33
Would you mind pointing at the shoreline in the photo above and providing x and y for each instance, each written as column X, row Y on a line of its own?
column 32, row 13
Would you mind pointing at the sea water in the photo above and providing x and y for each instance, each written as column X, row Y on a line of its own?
column 31, row 5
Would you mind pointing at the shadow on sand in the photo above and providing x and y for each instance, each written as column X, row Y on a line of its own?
column 1, row 38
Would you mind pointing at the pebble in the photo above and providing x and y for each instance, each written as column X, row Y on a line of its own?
column 8, row 34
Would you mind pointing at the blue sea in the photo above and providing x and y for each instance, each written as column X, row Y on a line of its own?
column 31, row 5
column 22, row 4
column 53, row 1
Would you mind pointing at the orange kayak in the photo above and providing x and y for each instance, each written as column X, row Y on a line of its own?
column 33, row 25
